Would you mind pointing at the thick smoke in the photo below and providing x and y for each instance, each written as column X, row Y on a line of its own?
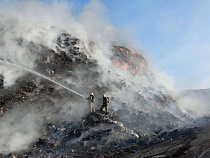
column 194, row 102
column 18, row 128
column 24, row 27
column 35, row 21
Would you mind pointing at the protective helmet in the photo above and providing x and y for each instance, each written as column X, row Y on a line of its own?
column 91, row 93
column 104, row 95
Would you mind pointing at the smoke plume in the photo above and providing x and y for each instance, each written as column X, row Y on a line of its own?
column 18, row 129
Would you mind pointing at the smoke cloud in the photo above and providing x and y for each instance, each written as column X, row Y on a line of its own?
column 42, row 23
column 19, row 128
column 24, row 27
column 194, row 102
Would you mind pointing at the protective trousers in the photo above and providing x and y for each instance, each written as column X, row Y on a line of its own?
column 104, row 106
column 91, row 106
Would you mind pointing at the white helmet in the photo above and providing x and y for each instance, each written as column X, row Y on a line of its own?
column 91, row 93
column 104, row 95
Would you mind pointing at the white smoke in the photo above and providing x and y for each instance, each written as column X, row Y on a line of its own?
column 194, row 103
column 24, row 23
column 19, row 128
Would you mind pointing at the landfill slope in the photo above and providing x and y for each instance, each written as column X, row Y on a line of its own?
column 188, row 143
column 45, row 102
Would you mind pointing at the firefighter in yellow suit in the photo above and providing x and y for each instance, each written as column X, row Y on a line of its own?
column 105, row 103
column 91, row 102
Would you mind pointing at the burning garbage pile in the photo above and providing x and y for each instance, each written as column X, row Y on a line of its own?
column 129, row 60
column 136, row 117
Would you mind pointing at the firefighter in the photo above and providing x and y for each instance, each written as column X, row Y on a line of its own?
column 105, row 103
column 91, row 102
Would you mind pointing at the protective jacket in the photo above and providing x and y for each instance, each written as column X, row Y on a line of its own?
column 105, row 100
column 105, row 104
column 91, row 98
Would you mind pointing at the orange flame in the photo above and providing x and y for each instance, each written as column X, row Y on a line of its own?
column 132, row 51
column 122, row 65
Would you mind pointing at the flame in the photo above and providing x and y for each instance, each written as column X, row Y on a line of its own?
column 132, row 62
column 132, row 51
column 122, row 65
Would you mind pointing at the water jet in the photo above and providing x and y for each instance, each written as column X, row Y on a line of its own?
column 41, row 75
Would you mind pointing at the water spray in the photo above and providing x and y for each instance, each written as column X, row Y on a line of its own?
column 40, row 75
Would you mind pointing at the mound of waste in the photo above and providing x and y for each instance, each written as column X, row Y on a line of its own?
column 141, row 112
column 93, row 136
column 98, row 134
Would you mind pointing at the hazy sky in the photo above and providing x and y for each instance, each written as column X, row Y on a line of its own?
column 174, row 33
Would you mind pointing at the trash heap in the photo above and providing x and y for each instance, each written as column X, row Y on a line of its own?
column 95, row 135
column 139, row 122
column 127, row 59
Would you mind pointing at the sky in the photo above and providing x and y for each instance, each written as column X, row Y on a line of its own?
column 174, row 34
